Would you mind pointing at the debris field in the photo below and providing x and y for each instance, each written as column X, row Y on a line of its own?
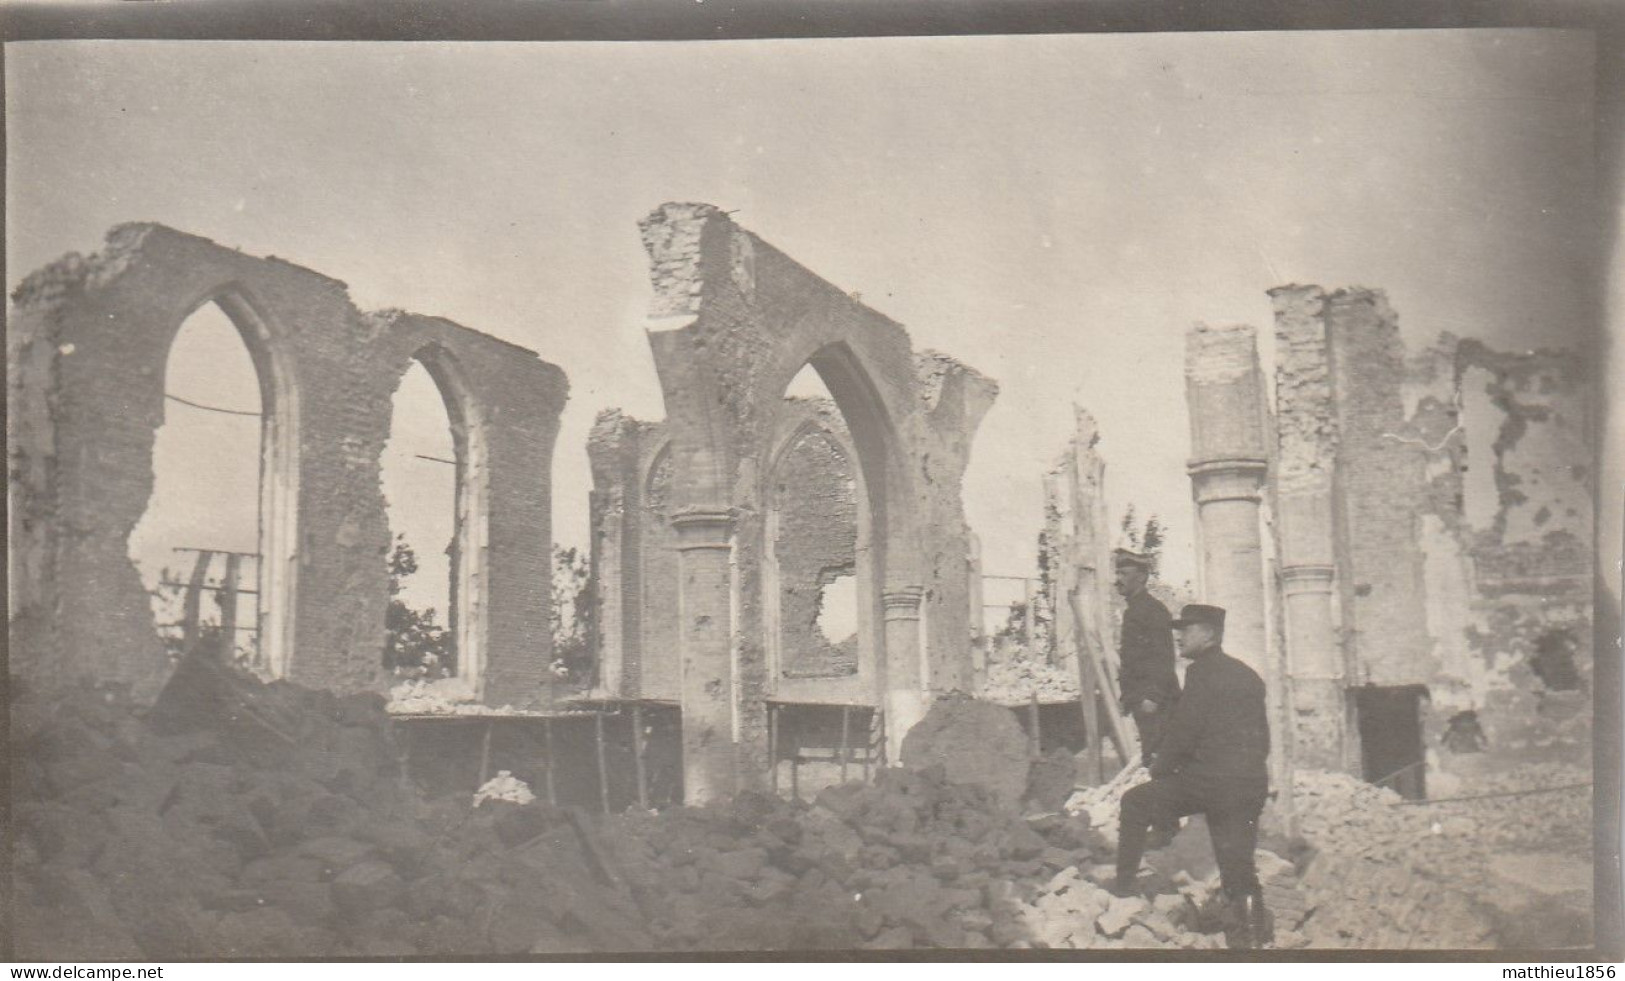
column 276, row 821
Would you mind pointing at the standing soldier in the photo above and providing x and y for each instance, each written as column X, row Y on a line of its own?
column 1212, row 762
column 1150, row 686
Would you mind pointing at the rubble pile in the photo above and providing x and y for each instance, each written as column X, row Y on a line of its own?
column 1073, row 910
column 1102, row 804
column 1017, row 675
column 976, row 743
column 443, row 696
column 1399, row 875
column 236, row 819
column 912, row 860
column 272, row 821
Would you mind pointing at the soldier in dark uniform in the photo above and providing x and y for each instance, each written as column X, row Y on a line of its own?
column 1150, row 687
column 1211, row 762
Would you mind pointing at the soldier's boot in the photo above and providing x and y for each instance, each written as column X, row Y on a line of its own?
column 1250, row 925
column 1260, row 921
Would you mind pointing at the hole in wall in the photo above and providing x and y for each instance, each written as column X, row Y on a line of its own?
column 420, row 490
column 837, row 617
column 1553, row 661
column 815, row 528
column 196, row 547
column 1464, row 733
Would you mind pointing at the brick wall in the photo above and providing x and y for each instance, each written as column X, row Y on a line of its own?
column 89, row 343
column 1378, row 477
column 746, row 319
column 814, row 499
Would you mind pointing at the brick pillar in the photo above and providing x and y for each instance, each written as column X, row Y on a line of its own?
column 1306, row 435
column 1225, row 393
column 704, row 643
column 905, row 690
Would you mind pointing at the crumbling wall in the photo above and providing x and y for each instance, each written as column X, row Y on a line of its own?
column 1306, row 454
column 743, row 320
column 89, row 342
column 814, row 500
column 633, row 561
column 505, row 404
column 1074, row 558
column 953, row 399
column 1530, row 669
column 1450, row 485
column 1379, row 555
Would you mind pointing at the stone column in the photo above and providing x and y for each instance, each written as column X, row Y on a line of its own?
column 705, row 649
column 905, row 697
column 1316, row 663
column 1306, row 433
column 1225, row 392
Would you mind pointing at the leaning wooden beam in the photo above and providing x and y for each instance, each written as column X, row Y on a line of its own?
column 773, row 747
column 846, row 738
column 547, row 752
column 485, row 753
column 637, row 756
column 192, row 603
column 1036, row 730
column 603, row 765
column 228, row 608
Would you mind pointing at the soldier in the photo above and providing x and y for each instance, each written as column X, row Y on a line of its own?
column 1211, row 762
column 1150, row 687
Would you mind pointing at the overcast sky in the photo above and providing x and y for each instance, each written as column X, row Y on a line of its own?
column 1053, row 210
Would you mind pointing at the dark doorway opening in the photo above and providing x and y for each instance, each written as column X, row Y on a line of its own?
column 1391, row 750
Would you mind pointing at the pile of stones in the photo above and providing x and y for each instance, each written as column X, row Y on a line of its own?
column 236, row 819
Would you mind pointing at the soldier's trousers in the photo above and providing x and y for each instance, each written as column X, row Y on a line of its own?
column 1232, row 823
column 1150, row 725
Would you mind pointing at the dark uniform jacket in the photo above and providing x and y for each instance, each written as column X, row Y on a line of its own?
column 1147, row 652
column 1219, row 736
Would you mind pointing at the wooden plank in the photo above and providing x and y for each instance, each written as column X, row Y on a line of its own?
column 638, row 748
column 547, row 752
column 1091, row 725
column 603, row 764
column 869, row 750
column 773, row 747
column 192, row 602
column 846, row 738
column 485, row 753
column 228, row 608
column 1093, row 679
column 1036, row 729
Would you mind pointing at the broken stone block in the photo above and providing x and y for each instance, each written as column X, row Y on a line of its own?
column 367, row 886
column 264, row 932
column 1139, row 937
column 1050, row 780
column 746, row 863
column 306, row 902
column 335, row 854
column 1119, row 913
column 975, row 743
column 892, row 938
column 291, row 868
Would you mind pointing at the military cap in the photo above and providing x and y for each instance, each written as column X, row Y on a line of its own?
column 1123, row 556
column 1200, row 613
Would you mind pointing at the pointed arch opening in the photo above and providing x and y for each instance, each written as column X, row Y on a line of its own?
column 215, row 547
column 435, row 488
column 826, row 483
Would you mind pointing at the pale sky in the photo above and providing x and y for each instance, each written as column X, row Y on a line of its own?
column 1053, row 210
